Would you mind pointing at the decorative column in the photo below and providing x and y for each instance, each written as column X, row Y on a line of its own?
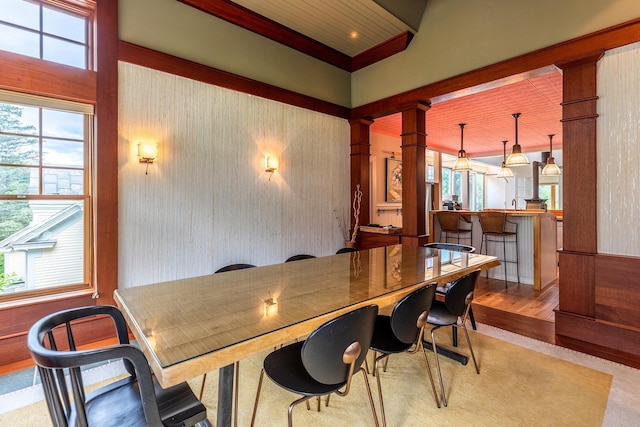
column 414, row 196
column 360, row 153
column 577, row 258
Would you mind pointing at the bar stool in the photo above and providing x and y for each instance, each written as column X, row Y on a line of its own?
column 454, row 223
column 497, row 228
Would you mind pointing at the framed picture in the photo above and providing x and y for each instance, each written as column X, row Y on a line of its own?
column 393, row 174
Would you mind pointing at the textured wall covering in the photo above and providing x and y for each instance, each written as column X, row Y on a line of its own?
column 208, row 202
column 619, row 151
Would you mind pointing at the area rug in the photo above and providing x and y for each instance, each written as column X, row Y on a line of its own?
column 516, row 387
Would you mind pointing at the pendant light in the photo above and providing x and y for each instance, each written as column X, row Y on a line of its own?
column 517, row 157
column 462, row 163
column 505, row 171
column 551, row 169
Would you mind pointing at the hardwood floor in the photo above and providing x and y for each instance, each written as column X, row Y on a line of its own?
column 517, row 308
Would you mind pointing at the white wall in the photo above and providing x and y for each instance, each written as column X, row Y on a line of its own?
column 618, row 151
column 208, row 202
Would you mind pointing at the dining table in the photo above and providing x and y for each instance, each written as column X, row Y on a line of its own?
column 191, row 326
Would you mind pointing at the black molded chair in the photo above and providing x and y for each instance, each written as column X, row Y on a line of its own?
column 136, row 400
column 232, row 267
column 299, row 257
column 324, row 363
column 453, row 311
column 442, row 289
column 402, row 332
column 344, row 250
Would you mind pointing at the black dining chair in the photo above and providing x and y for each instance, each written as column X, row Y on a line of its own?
column 325, row 362
column 135, row 400
column 233, row 267
column 442, row 289
column 402, row 332
column 453, row 311
column 345, row 250
column 299, row 257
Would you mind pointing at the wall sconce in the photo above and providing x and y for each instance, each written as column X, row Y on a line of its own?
column 147, row 153
column 270, row 165
column 270, row 307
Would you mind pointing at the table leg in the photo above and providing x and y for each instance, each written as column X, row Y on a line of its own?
column 442, row 351
column 225, row 396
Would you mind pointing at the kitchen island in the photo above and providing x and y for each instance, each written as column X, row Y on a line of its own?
column 537, row 244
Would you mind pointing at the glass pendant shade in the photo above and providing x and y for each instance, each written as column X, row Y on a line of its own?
column 462, row 162
column 505, row 172
column 551, row 169
column 517, row 157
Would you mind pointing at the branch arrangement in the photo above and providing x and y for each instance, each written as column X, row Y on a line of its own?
column 357, row 200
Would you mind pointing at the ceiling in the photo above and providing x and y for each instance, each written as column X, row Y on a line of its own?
column 489, row 120
column 323, row 29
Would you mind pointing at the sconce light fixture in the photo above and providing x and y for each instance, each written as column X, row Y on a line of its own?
column 517, row 157
column 270, row 165
column 462, row 163
column 270, row 307
column 505, row 171
column 147, row 153
column 551, row 169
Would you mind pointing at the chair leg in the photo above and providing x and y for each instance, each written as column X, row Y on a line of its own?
column 377, row 375
column 435, row 352
column 236, row 387
column 472, row 319
column 204, row 380
column 433, row 384
column 255, row 405
column 504, row 254
column 373, row 408
column 294, row 403
column 473, row 356
column 454, row 336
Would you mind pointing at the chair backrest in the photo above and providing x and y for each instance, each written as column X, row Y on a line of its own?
column 322, row 353
column 451, row 247
column 492, row 222
column 448, row 220
column 456, row 297
column 299, row 257
column 343, row 250
column 54, row 348
column 404, row 318
column 232, row 267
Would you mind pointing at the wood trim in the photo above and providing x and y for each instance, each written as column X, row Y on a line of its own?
column 251, row 21
column 155, row 60
column 617, row 290
column 45, row 78
column 599, row 339
column 384, row 50
column 609, row 38
column 360, row 153
column 577, row 283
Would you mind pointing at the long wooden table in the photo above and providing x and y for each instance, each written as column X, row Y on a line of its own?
column 191, row 326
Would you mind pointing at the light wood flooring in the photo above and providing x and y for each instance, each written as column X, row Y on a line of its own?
column 517, row 308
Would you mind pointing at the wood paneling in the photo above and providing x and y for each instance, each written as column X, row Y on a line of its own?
column 181, row 67
column 599, row 339
column 360, row 153
column 617, row 290
column 37, row 77
column 577, row 286
column 376, row 240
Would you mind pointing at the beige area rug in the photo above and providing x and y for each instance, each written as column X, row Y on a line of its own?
column 516, row 387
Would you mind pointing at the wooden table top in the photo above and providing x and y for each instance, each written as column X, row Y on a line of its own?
column 191, row 326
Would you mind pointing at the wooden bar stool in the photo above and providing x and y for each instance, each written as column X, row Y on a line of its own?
column 497, row 228
column 452, row 222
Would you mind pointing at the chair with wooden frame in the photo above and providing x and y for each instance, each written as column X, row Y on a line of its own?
column 452, row 222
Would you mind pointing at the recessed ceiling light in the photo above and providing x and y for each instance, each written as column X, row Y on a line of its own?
column 354, row 34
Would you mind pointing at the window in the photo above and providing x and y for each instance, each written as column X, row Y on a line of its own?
column 44, row 194
column 451, row 184
column 550, row 193
column 476, row 191
column 45, row 31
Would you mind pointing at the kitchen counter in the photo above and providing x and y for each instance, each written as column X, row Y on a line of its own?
column 537, row 244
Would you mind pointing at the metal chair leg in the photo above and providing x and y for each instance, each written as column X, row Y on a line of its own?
column 373, row 408
column 473, row 356
column 435, row 352
column 255, row 405
column 433, row 384
column 204, row 380
column 377, row 375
